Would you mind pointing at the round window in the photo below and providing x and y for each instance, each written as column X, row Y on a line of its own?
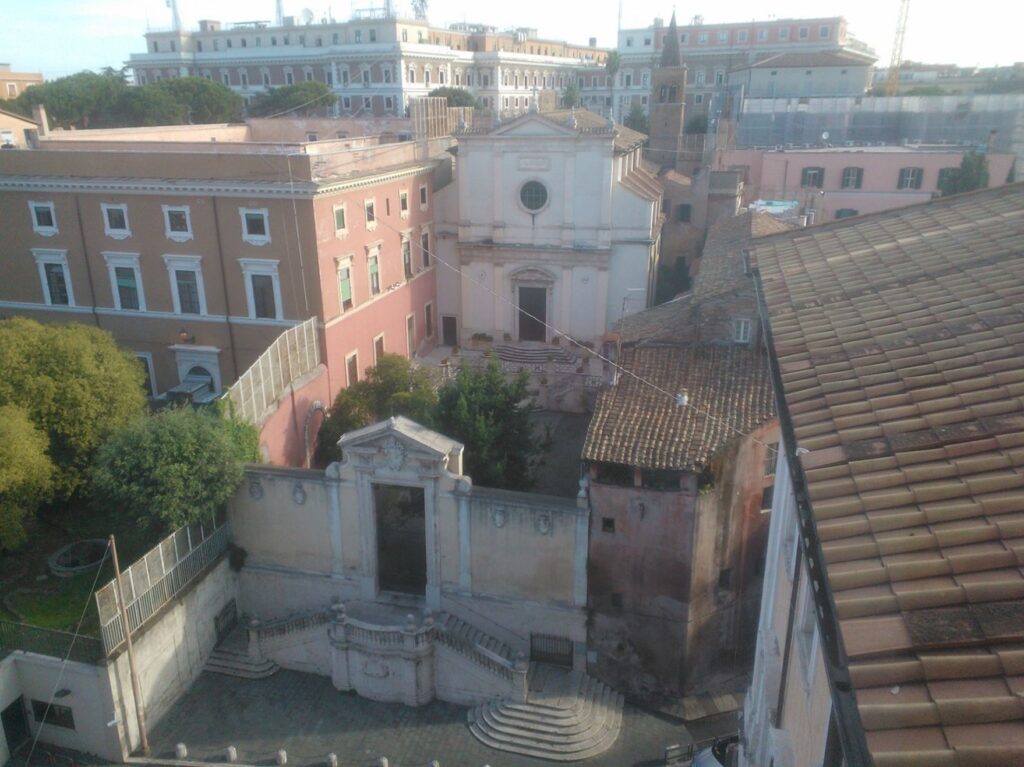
column 534, row 195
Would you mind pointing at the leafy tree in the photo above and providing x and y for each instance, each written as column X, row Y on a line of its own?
column 301, row 99
column 612, row 65
column 392, row 387
column 571, row 95
column 81, row 100
column 489, row 415
column 972, row 174
column 173, row 468
column 457, row 97
column 148, row 106
column 672, row 280
column 26, row 473
column 204, row 101
column 638, row 120
column 76, row 386
column 696, row 124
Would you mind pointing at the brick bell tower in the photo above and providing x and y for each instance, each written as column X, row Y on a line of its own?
column 668, row 101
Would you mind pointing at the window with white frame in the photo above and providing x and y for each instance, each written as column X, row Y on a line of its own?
column 910, row 178
column 177, row 222
column 378, row 348
column 762, row 35
column 44, row 218
column 723, row 37
column 255, row 225
column 407, row 256
column 373, row 267
column 345, row 300
column 146, row 361
column 352, row 368
column 340, row 220
column 262, row 288
column 403, row 204
column 289, row 78
column 423, row 196
column 187, row 291
column 784, row 33
column 425, row 246
column 126, row 281
column 54, row 276
column 741, row 330
column 369, row 209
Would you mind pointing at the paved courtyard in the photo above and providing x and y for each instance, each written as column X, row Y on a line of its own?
column 306, row 716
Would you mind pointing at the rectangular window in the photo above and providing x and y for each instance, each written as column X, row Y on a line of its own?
column 766, row 497
column 352, row 368
column 127, row 287
column 389, row 102
column 812, row 177
column 771, row 459
column 741, row 330
column 244, row 79
column 762, row 35
column 407, row 258
column 741, row 36
column 340, row 225
column 723, row 37
column 289, row 78
column 824, row 33
column 853, row 178
column 428, row 320
column 683, row 213
column 255, row 225
column 607, row 524
column 684, row 38
column 403, row 203
column 54, row 277
column 187, row 291
column 804, row 33
column 345, row 285
column 367, row 102
column 262, row 287
column 423, row 197
column 425, row 248
column 702, row 37
column 807, row 634
column 784, row 33
column 946, row 176
column 410, row 335
column 374, row 267
column 51, row 713
column 44, row 218
column 266, row 79
column 177, row 222
column 312, row 137
column 378, row 348
column 371, row 215
column 910, row 178
column 115, row 221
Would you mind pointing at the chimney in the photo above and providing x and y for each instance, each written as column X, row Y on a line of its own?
column 593, row 42
column 39, row 114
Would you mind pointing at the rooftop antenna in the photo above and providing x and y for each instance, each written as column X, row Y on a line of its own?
column 175, row 16
column 279, row 13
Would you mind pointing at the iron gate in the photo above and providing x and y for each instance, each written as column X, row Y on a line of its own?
column 548, row 648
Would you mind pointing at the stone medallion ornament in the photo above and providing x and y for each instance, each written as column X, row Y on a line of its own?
column 394, row 454
column 543, row 524
column 255, row 490
column 500, row 517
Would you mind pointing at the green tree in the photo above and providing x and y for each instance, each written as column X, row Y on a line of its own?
column 392, row 387
column 76, row 386
column 491, row 417
column 972, row 174
column 571, row 95
column 26, row 473
column 457, row 97
column 301, row 99
column 612, row 65
column 925, row 90
column 637, row 120
column 147, row 105
column 204, row 101
column 81, row 100
column 173, row 468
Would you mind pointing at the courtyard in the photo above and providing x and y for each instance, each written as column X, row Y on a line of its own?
column 304, row 715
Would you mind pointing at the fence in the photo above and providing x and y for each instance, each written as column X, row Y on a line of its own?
column 293, row 354
column 156, row 578
column 57, row 644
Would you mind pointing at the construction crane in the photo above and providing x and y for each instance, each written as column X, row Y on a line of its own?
column 892, row 84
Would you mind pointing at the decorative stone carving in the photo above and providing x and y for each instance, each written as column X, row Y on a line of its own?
column 542, row 523
column 500, row 517
column 255, row 489
column 376, row 669
column 394, row 453
column 299, row 494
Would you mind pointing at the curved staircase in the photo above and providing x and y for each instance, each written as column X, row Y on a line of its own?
column 240, row 665
column 568, row 716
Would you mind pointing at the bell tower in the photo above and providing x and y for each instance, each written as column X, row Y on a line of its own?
column 668, row 101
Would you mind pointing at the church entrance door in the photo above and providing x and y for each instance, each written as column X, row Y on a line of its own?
column 401, row 539
column 533, row 310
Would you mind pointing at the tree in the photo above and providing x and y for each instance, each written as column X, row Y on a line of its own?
column 301, row 99
column 638, row 120
column 571, row 95
column 148, row 106
column 81, row 100
column 419, row 9
column 204, row 101
column 612, row 65
column 457, row 97
column 392, row 387
column 924, row 90
column 972, row 174
column 76, row 386
column 491, row 417
column 174, row 468
column 26, row 473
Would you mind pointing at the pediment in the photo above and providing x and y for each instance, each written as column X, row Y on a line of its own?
column 394, row 442
column 534, row 125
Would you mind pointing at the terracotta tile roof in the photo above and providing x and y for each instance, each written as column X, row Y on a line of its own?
column 637, row 425
column 900, row 337
column 722, row 267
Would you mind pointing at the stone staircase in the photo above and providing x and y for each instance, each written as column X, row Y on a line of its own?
column 462, row 632
column 535, row 355
column 568, row 716
column 231, row 657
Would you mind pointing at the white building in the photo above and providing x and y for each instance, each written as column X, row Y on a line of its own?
column 553, row 213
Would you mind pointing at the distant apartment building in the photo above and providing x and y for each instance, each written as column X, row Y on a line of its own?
column 953, row 79
column 373, row 64
column 13, row 129
column 196, row 246
column 840, row 182
column 715, row 56
column 13, row 84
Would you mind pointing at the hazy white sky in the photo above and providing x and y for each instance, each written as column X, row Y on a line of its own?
column 59, row 37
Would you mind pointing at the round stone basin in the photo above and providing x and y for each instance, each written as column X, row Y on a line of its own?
column 77, row 557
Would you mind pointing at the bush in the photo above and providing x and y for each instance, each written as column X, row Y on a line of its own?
column 26, row 473
column 173, row 468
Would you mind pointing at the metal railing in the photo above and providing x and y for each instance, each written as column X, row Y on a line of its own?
column 57, row 644
column 156, row 578
column 293, row 354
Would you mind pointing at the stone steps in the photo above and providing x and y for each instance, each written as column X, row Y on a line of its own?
column 470, row 634
column 570, row 717
column 535, row 355
column 239, row 664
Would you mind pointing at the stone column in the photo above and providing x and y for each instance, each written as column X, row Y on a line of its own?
column 367, row 533
column 334, row 525
column 433, row 590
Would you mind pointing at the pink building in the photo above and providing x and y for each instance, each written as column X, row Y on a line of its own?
column 839, row 182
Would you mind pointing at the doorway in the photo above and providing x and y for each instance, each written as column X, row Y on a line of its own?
column 533, row 310
column 401, row 539
column 449, row 331
column 15, row 725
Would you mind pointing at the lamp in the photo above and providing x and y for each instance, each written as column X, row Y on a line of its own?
column 185, row 337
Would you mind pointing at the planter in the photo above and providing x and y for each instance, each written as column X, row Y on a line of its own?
column 77, row 557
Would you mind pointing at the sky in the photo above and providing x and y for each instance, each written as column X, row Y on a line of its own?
column 60, row 37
